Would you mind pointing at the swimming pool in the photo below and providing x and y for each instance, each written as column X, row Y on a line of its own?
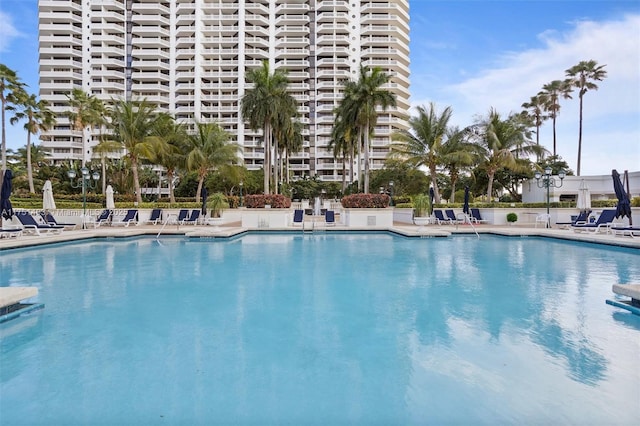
column 322, row 329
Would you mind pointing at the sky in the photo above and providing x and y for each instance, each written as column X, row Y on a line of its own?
column 474, row 55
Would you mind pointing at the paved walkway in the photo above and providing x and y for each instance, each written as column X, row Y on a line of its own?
column 232, row 229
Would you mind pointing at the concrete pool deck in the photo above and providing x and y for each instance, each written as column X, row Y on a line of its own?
column 232, row 229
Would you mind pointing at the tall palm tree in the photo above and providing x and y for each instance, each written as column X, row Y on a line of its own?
column 173, row 156
column 10, row 87
column 209, row 148
column 289, row 138
column 261, row 105
column 360, row 103
column 422, row 145
column 550, row 97
column 343, row 143
column 133, row 124
column 86, row 110
column 501, row 142
column 38, row 117
column 457, row 154
column 103, row 150
column 582, row 77
column 535, row 110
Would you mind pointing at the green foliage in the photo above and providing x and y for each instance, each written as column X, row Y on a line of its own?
column 216, row 203
column 512, row 217
column 635, row 202
column 421, row 205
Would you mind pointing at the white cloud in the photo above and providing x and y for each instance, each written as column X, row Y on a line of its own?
column 7, row 31
column 612, row 113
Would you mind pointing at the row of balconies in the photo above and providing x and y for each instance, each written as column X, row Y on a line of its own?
column 46, row 5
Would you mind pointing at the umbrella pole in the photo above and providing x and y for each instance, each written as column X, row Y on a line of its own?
column 626, row 180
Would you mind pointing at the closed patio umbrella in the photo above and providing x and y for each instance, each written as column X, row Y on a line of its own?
column 465, row 206
column 624, row 204
column 110, row 202
column 584, row 197
column 5, row 194
column 204, row 195
column 432, row 195
column 48, row 203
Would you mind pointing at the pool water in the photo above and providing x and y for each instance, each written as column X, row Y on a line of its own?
column 321, row 329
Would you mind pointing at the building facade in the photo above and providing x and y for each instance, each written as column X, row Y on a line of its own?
column 190, row 57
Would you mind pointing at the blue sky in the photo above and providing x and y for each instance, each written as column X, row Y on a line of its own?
column 473, row 55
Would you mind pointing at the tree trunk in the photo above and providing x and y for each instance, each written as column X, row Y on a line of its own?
column 366, row 159
column 434, row 183
column 554, row 135
column 579, row 138
column 29, row 167
column 200, row 183
column 172, row 198
column 267, row 159
column 103, row 162
column 136, row 180
column 359, row 160
column 490, row 174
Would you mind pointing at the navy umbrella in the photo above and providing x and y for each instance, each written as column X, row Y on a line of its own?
column 5, row 193
column 431, row 197
column 624, row 204
column 205, row 194
column 465, row 207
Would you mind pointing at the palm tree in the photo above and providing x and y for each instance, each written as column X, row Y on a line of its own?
column 535, row 110
column 582, row 77
column 209, row 148
column 343, row 143
column 173, row 156
column 133, row 124
column 38, row 117
column 360, row 103
column 457, row 154
column 422, row 145
column 86, row 110
column 261, row 106
column 289, row 138
column 501, row 142
column 10, row 88
column 104, row 149
column 550, row 97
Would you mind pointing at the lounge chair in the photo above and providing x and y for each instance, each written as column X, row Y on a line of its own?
column 581, row 219
column 131, row 216
column 543, row 218
column 10, row 233
column 330, row 217
column 183, row 214
column 476, row 217
column 48, row 218
column 298, row 217
column 103, row 218
column 440, row 219
column 30, row 225
column 156, row 217
column 192, row 219
column 603, row 222
column 452, row 216
column 632, row 231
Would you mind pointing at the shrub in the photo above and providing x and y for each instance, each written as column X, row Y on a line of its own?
column 365, row 201
column 421, row 205
column 277, row 201
column 512, row 217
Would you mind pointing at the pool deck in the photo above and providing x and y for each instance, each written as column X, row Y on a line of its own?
column 233, row 229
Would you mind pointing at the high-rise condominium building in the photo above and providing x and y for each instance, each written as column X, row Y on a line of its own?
column 190, row 57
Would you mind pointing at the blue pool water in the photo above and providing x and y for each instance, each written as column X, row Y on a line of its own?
column 323, row 329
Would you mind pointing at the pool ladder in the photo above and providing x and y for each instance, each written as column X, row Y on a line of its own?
column 468, row 221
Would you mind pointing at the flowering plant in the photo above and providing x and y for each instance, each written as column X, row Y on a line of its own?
column 365, row 201
column 277, row 201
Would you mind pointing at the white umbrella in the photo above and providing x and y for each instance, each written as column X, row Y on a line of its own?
column 584, row 196
column 48, row 203
column 110, row 203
